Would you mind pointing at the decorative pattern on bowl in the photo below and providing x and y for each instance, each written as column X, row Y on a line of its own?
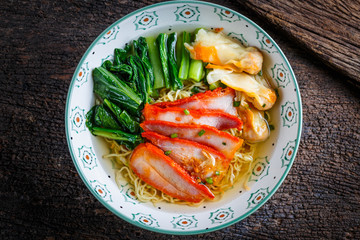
column 187, row 13
column 271, row 165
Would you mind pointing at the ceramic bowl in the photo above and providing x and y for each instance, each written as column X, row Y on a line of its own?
column 273, row 160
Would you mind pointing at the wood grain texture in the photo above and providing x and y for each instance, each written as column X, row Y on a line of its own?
column 42, row 195
column 329, row 29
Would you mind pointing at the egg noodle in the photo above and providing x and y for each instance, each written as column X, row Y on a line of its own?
column 239, row 168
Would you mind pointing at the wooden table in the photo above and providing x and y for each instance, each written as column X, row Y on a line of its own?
column 42, row 195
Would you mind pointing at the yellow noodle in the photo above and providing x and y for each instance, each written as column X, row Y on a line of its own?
column 239, row 168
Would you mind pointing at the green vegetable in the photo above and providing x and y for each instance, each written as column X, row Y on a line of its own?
column 186, row 112
column 120, row 56
column 130, row 145
column 195, row 89
column 154, row 56
column 260, row 73
column 167, row 153
column 162, row 44
column 179, row 47
column 142, row 49
column 129, row 48
column 201, row 132
column 135, row 75
column 196, row 70
column 174, row 135
column 116, row 135
column 155, row 93
column 104, row 119
column 217, row 173
column 109, row 86
column 203, row 75
column 214, row 85
column 236, row 103
column 139, row 77
column 129, row 122
column 90, row 123
column 224, row 143
column 119, row 68
column 123, row 117
column 209, row 180
column 185, row 57
column 101, row 123
column 175, row 81
column 101, row 117
column 107, row 65
column 122, row 70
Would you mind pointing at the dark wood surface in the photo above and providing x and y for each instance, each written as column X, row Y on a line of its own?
column 43, row 197
column 330, row 30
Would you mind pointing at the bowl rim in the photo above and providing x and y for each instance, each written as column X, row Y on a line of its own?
column 159, row 230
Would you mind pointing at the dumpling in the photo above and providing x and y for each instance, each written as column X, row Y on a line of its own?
column 262, row 97
column 255, row 128
column 224, row 53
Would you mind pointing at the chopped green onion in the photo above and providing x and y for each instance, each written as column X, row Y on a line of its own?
column 217, row 173
column 264, row 105
column 167, row 153
column 174, row 135
column 209, row 180
column 236, row 103
column 271, row 127
column 224, row 143
column 260, row 73
column 201, row 132
column 186, row 112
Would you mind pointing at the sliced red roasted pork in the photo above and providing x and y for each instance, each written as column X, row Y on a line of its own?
column 214, row 118
column 219, row 99
column 160, row 171
column 202, row 162
column 210, row 136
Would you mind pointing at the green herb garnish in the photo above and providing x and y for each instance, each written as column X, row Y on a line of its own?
column 217, row 173
column 224, row 143
column 271, row 127
column 167, row 153
column 209, row 180
column 201, row 132
column 174, row 135
column 236, row 103
column 186, row 112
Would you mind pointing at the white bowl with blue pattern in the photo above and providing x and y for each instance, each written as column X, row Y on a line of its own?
column 273, row 160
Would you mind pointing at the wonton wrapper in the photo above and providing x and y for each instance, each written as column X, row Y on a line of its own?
column 262, row 97
column 223, row 52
